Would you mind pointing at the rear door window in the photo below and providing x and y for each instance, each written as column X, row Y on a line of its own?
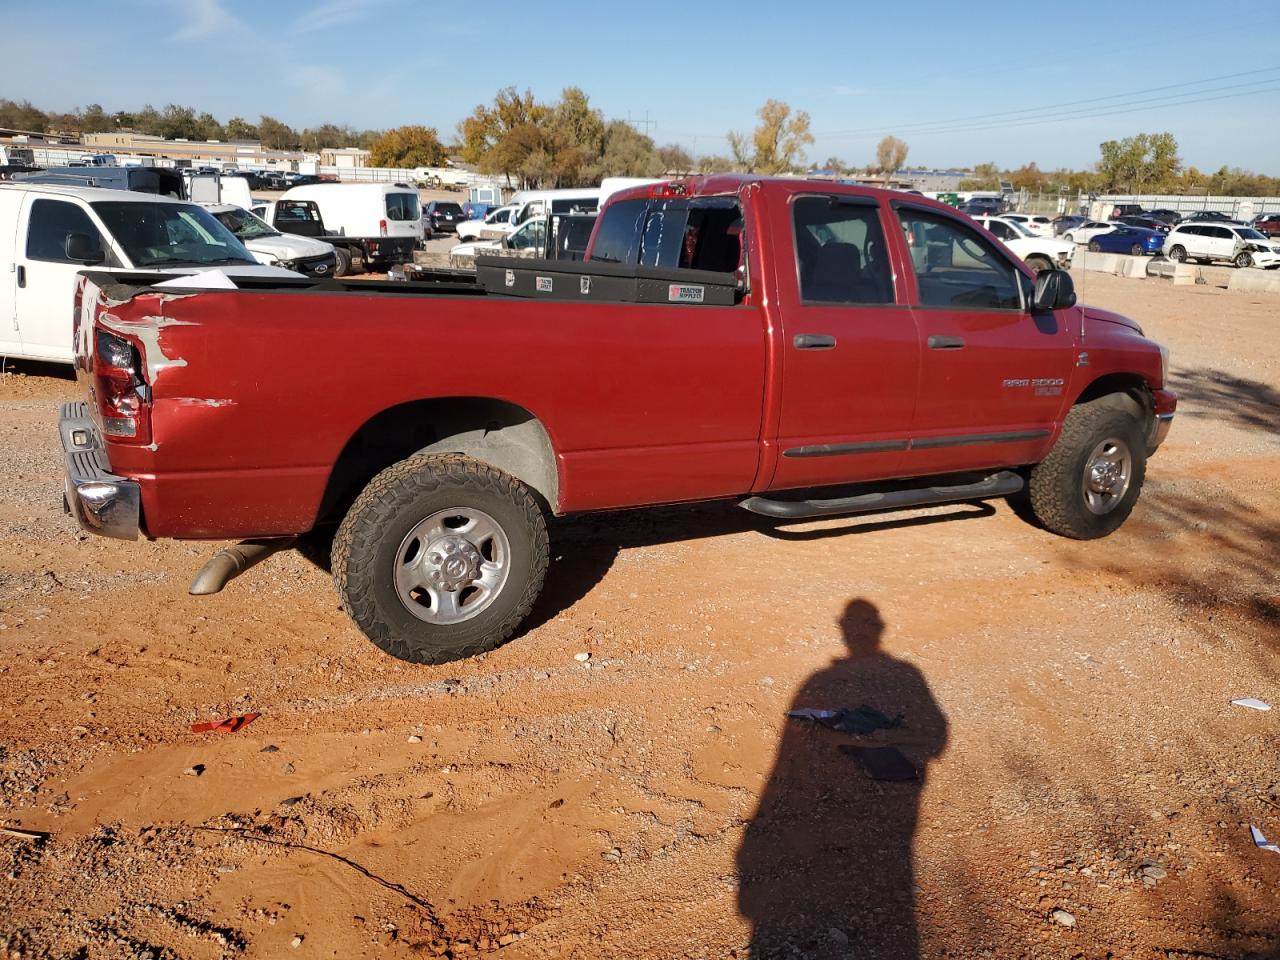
column 402, row 207
column 841, row 256
column 956, row 267
column 618, row 232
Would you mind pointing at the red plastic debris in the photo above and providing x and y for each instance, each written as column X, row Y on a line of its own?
column 229, row 725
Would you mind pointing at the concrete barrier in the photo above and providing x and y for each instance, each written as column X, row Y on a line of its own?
column 1180, row 274
column 1250, row 278
column 1098, row 262
column 1132, row 267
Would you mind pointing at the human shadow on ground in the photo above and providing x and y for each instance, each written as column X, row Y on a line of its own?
column 825, row 868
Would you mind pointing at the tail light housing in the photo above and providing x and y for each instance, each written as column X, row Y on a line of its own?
column 382, row 227
column 122, row 397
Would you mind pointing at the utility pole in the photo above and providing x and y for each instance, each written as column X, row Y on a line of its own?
column 646, row 122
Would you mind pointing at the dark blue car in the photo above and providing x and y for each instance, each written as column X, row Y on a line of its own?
column 1135, row 240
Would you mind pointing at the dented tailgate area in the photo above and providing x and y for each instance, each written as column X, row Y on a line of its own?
column 156, row 413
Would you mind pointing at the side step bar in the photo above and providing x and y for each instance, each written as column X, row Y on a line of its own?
column 1001, row 484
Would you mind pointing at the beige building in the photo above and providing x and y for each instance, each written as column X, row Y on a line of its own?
column 246, row 152
column 344, row 157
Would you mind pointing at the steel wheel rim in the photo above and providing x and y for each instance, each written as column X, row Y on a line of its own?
column 1108, row 471
column 452, row 565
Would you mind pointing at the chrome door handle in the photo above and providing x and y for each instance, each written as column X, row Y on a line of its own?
column 814, row 341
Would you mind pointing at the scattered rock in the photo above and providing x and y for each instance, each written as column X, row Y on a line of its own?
column 1153, row 871
column 582, row 657
column 613, row 855
column 270, row 748
column 194, row 771
column 287, row 768
column 296, row 942
column 1062, row 918
column 227, row 868
column 415, row 739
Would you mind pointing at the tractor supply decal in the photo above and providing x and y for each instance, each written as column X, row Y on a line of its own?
column 542, row 284
column 679, row 293
column 584, row 285
column 510, row 278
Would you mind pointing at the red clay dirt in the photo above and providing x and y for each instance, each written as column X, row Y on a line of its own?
column 1087, row 785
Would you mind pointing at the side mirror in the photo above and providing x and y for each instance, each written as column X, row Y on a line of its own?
column 81, row 248
column 1055, row 290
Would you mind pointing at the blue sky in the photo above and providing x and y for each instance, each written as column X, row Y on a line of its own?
column 961, row 83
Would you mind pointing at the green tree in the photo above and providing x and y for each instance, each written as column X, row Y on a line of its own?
column 409, row 146
column 627, row 153
column 22, row 116
column 315, row 139
column 1143, row 163
column 986, row 176
column 93, row 119
column 276, row 135
column 576, row 139
column 777, row 143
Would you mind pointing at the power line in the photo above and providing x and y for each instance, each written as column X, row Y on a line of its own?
column 1052, row 106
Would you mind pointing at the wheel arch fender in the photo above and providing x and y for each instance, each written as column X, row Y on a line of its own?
column 498, row 432
column 1127, row 391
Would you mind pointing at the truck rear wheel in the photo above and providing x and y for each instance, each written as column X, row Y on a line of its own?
column 1086, row 487
column 342, row 265
column 441, row 557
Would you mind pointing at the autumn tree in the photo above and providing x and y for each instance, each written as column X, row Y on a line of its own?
column 675, row 159
column 22, row 116
column 315, row 139
column 237, row 128
column 410, row 146
column 777, row 143
column 891, row 154
column 575, row 139
column 505, row 138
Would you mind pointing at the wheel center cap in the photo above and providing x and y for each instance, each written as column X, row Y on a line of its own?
column 453, row 563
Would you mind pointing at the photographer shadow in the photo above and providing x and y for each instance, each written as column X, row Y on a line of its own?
column 825, row 868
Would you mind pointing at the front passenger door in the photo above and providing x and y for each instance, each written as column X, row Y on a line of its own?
column 992, row 375
column 47, row 276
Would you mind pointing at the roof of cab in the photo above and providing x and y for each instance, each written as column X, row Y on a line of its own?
column 732, row 183
column 88, row 193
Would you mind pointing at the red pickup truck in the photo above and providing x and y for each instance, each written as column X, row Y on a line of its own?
column 726, row 337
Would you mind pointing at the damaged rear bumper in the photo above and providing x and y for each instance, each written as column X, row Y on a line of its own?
column 102, row 502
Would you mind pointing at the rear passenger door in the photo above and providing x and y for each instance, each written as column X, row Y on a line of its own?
column 992, row 374
column 850, row 348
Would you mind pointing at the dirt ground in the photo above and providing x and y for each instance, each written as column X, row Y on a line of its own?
column 1088, row 786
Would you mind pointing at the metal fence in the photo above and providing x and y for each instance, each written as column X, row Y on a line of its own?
column 1053, row 203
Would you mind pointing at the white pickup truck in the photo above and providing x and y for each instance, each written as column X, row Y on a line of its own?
column 49, row 233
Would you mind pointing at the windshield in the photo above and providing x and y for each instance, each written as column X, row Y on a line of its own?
column 170, row 234
column 244, row 224
column 1251, row 234
column 403, row 206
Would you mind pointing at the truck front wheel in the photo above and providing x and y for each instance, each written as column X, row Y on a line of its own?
column 441, row 557
column 1086, row 487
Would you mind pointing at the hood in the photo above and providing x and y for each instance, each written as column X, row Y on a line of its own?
column 234, row 270
column 287, row 246
column 1095, row 315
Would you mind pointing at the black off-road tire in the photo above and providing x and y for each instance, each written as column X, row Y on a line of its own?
column 1057, row 483
column 370, row 536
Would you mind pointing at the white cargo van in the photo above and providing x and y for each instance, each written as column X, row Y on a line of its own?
column 49, row 233
column 541, row 203
column 379, row 222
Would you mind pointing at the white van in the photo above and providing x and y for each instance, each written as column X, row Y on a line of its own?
column 49, row 233
column 379, row 222
column 541, row 203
